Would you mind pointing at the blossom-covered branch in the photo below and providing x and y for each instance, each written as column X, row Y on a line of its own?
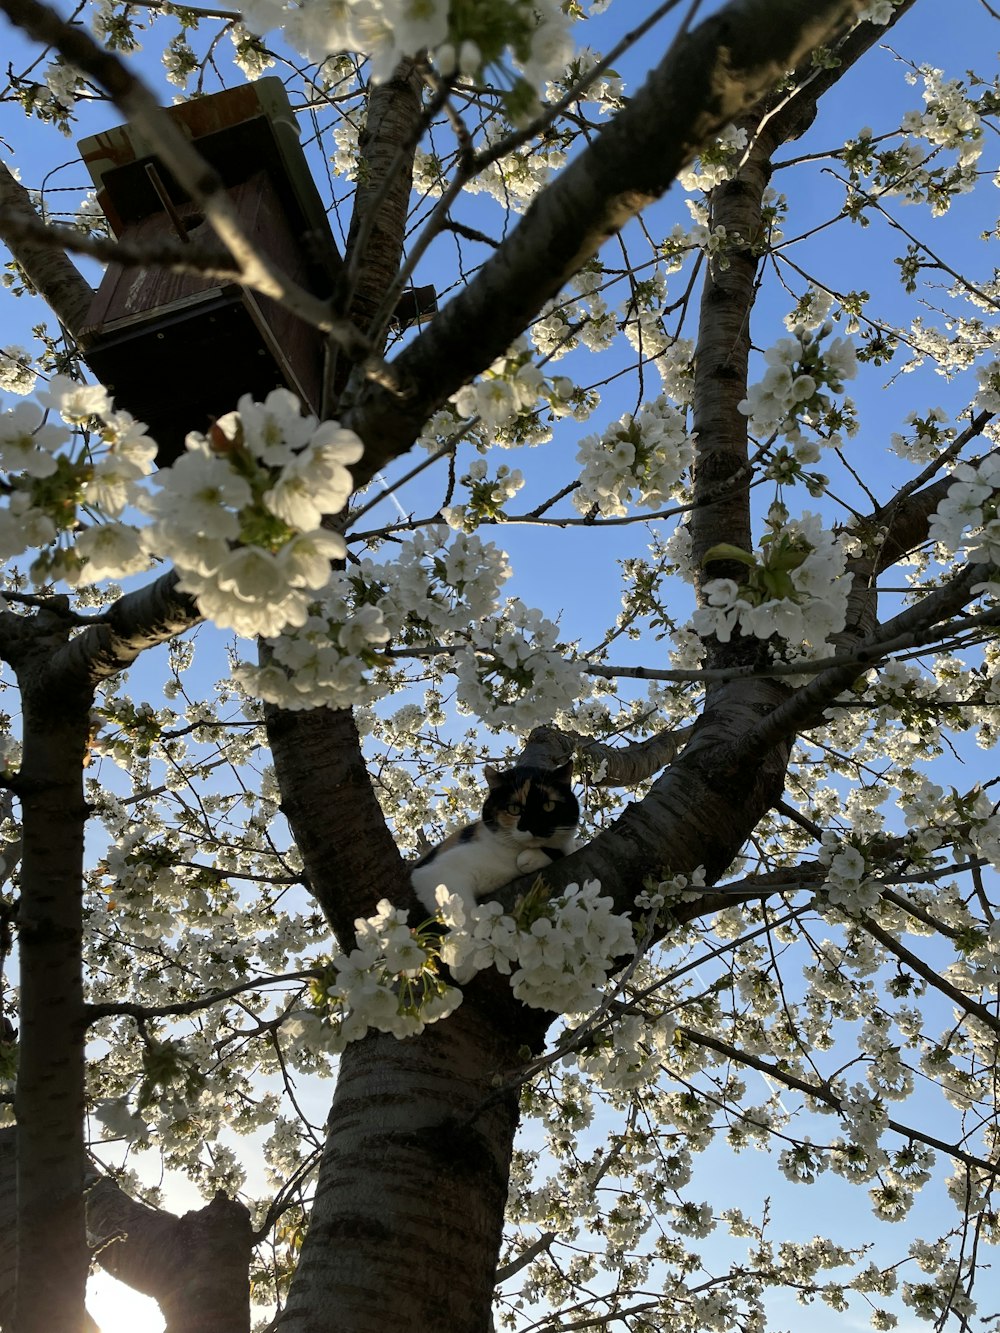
column 700, row 85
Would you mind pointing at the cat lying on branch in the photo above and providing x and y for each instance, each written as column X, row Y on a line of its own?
column 529, row 820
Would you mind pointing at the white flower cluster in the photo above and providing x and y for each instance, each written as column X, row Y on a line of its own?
column 558, row 962
column 434, row 583
column 640, row 459
column 509, row 398
column 864, row 1118
column 47, row 487
column 487, row 495
column 791, row 395
column 988, row 397
column 846, row 885
column 810, row 310
column 322, row 662
column 463, row 39
column 716, row 163
column 969, row 507
column 513, row 672
column 794, row 591
column 878, row 11
column 951, row 119
column 514, row 178
column 388, row 982
column 16, row 372
column 930, row 436
column 501, row 394
column 240, row 513
column 979, row 819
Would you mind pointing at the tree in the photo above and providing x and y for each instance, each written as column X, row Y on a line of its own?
column 775, row 882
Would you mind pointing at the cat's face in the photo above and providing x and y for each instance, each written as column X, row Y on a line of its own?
column 531, row 805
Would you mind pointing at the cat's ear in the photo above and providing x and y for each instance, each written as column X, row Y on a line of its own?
column 564, row 774
column 492, row 776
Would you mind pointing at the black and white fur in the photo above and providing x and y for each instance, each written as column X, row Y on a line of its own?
column 529, row 820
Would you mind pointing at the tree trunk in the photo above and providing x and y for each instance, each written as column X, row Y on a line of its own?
column 406, row 1226
column 52, row 1254
column 350, row 858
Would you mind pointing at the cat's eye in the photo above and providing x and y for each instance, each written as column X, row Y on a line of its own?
column 548, row 805
column 513, row 808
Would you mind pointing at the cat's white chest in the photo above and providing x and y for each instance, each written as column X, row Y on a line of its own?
column 472, row 870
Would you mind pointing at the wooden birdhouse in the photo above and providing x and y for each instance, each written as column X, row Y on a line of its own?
column 177, row 351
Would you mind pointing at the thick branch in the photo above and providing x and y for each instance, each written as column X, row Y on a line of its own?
column 350, row 857
column 47, row 268
column 613, row 766
column 137, row 621
column 387, row 145
column 195, row 1267
column 721, row 510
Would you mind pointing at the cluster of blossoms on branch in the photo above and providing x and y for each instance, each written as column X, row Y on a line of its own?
column 848, row 884
column 17, row 374
column 640, row 459
column 792, row 591
column 51, row 478
column 240, row 513
column 439, row 595
column 794, row 395
column 967, row 516
column 557, row 952
column 462, row 36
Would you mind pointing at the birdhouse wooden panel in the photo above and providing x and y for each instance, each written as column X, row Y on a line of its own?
column 178, row 350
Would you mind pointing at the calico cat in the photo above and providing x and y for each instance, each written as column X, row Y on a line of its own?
column 529, row 820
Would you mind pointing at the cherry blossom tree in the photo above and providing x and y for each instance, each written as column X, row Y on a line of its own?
column 613, row 503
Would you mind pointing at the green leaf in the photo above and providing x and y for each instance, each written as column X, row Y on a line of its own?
column 726, row 551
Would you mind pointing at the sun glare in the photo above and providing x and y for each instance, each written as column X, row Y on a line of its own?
column 117, row 1309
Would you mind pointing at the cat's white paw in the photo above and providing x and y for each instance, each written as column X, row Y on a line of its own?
column 532, row 858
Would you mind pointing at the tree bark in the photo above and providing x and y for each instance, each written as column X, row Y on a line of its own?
column 194, row 1267
column 406, row 1225
column 49, row 270
column 382, row 200
column 350, row 857
column 52, row 1254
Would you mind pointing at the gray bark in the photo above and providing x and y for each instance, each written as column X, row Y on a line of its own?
column 52, row 1254
column 406, row 1224
column 194, row 1267
column 47, row 268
